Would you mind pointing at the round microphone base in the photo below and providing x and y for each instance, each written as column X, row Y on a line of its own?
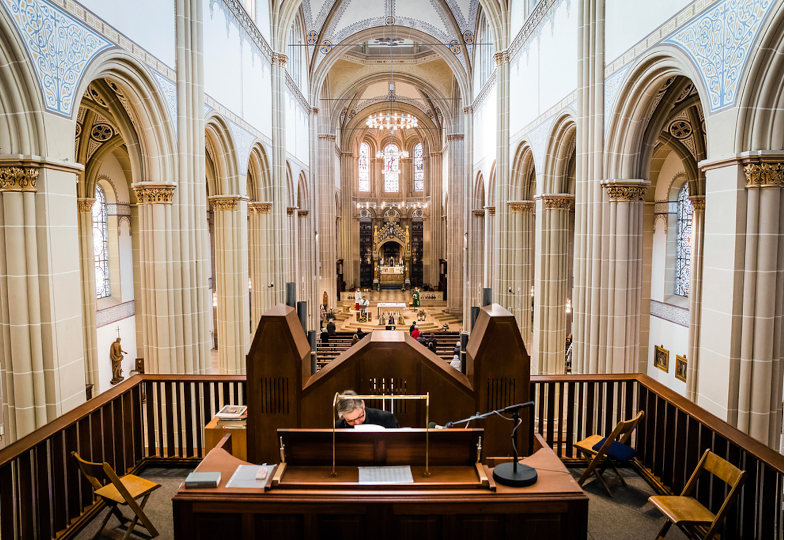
column 522, row 477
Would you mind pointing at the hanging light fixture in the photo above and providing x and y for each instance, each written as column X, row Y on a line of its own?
column 391, row 121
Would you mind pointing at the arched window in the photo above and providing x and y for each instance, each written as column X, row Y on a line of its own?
column 681, row 278
column 419, row 169
column 391, row 168
column 101, row 245
column 363, row 182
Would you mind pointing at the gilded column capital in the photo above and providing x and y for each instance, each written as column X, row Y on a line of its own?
column 225, row 202
column 314, row 110
column 279, row 59
column 326, row 136
column 625, row 190
column 557, row 201
column 147, row 193
column 455, row 137
column 290, row 210
column 258, row 207
column 521, row 206
column 302, row 213
column 491, row 210
column 478, row 213
column 761, row 174
column 18, row 179
column 468, row 110
column 698, row 201
column 501, row 57
column 435, row 153
column 85, row 204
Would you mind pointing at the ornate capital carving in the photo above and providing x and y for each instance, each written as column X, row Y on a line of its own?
column 698, row 202
column 491, row 210
column 521, row 206
column 626, row 190
column 557, row 201
column 85, row 204
column 501, row 57
column 314, row 110
column 327, row 136
column 153, row 193
column 478, row 213
column 18, row 178
column 763, row 174
column 468, row 110
column 280, row 59
column 302, row 213
column 224, row 202
column 455, row 137
column 290, row 210
column 257, row 207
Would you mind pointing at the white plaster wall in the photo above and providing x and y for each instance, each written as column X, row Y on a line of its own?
column 627, row 22
column 659, row 242
column 296, row 129
column 537, row 85
column 126, row 261
column 257, row 93
column 150, row 23
column 673, row 337
column 517, row 17
column 263, row 18
column 106, row 336
column 485, row 128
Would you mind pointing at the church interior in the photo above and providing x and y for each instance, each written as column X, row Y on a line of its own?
column 562, row 218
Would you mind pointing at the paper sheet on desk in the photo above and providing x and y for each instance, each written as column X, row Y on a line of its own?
column 245, row 477
column 386, row 475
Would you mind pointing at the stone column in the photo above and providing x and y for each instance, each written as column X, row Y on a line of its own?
column 41, row 342
column 501, row 265
column 478, row 248
column 231, row 274
column 306, row 263
column 280, row 251
column 488, row 246
column 87, row 270
column 760, row 366
column 522, row 219
column 348, row 242
column 328, row 235
column 260, row 269
column 292, row 224
column 551, row 277
column 589, row 321
column 433, row 248
column 189, row 215
column 625, row 252
column 457, row 234
column 695, row 294
column 157, row 278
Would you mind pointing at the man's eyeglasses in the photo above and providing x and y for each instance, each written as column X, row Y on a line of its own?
column 357, row 419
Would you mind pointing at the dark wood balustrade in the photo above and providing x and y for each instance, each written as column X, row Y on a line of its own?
column 158, row 419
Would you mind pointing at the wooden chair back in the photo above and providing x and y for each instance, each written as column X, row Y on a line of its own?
column 620, row 433
column 726, row 472
column 94, row 472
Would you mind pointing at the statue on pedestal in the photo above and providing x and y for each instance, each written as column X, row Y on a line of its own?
column 116, row 353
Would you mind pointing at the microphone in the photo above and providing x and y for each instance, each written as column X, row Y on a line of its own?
column 434, row 425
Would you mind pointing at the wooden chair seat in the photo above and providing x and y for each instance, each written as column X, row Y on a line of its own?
column 136, row 486
column 587, row 444
column 682, row 509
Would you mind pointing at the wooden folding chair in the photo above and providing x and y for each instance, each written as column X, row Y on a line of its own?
column 691, row 516
column 602, row 451
column 119, row 491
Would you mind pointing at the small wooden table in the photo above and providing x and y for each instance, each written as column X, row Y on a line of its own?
column 214, row 432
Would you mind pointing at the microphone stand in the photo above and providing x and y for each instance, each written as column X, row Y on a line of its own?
column 509, row 474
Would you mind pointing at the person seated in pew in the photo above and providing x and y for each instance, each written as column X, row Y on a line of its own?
column 353, row 412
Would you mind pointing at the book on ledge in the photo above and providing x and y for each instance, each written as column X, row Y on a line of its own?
column 232, row 412
column 202, row 480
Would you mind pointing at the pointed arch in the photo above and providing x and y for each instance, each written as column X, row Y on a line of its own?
column 524, row 179
column 259, row 186
column 221, row 152
column 560, row 156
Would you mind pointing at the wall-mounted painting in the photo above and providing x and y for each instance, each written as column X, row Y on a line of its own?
column 681, row 368
column 661, row 357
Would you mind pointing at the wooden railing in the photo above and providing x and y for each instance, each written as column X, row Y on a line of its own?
column 159, row 419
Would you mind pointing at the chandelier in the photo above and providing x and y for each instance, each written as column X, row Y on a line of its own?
column 391, row 121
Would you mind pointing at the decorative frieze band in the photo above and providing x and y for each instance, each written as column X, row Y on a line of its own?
column 18, row 178
column 521, row 206
column 625, row 190
column 557, row 201
column 153, row 193
column 698, row 202
column 257, row 207
column 225, row 202
column 763, row 174
column 85, row 204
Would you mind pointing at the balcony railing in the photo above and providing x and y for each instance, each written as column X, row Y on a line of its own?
column 159, row 419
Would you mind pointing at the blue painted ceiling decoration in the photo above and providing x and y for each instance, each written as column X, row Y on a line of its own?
column 719, row 41
column 60, row 49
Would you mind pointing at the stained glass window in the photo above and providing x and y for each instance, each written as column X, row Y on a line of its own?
column 681, row 280
column 391, row 168
column 419, row 169
column 363, row 182
column 101, row 245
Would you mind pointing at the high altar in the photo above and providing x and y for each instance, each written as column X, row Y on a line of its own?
column 392, row 272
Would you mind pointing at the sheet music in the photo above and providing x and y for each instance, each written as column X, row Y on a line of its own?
column 245, row 476
column 386, row 475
